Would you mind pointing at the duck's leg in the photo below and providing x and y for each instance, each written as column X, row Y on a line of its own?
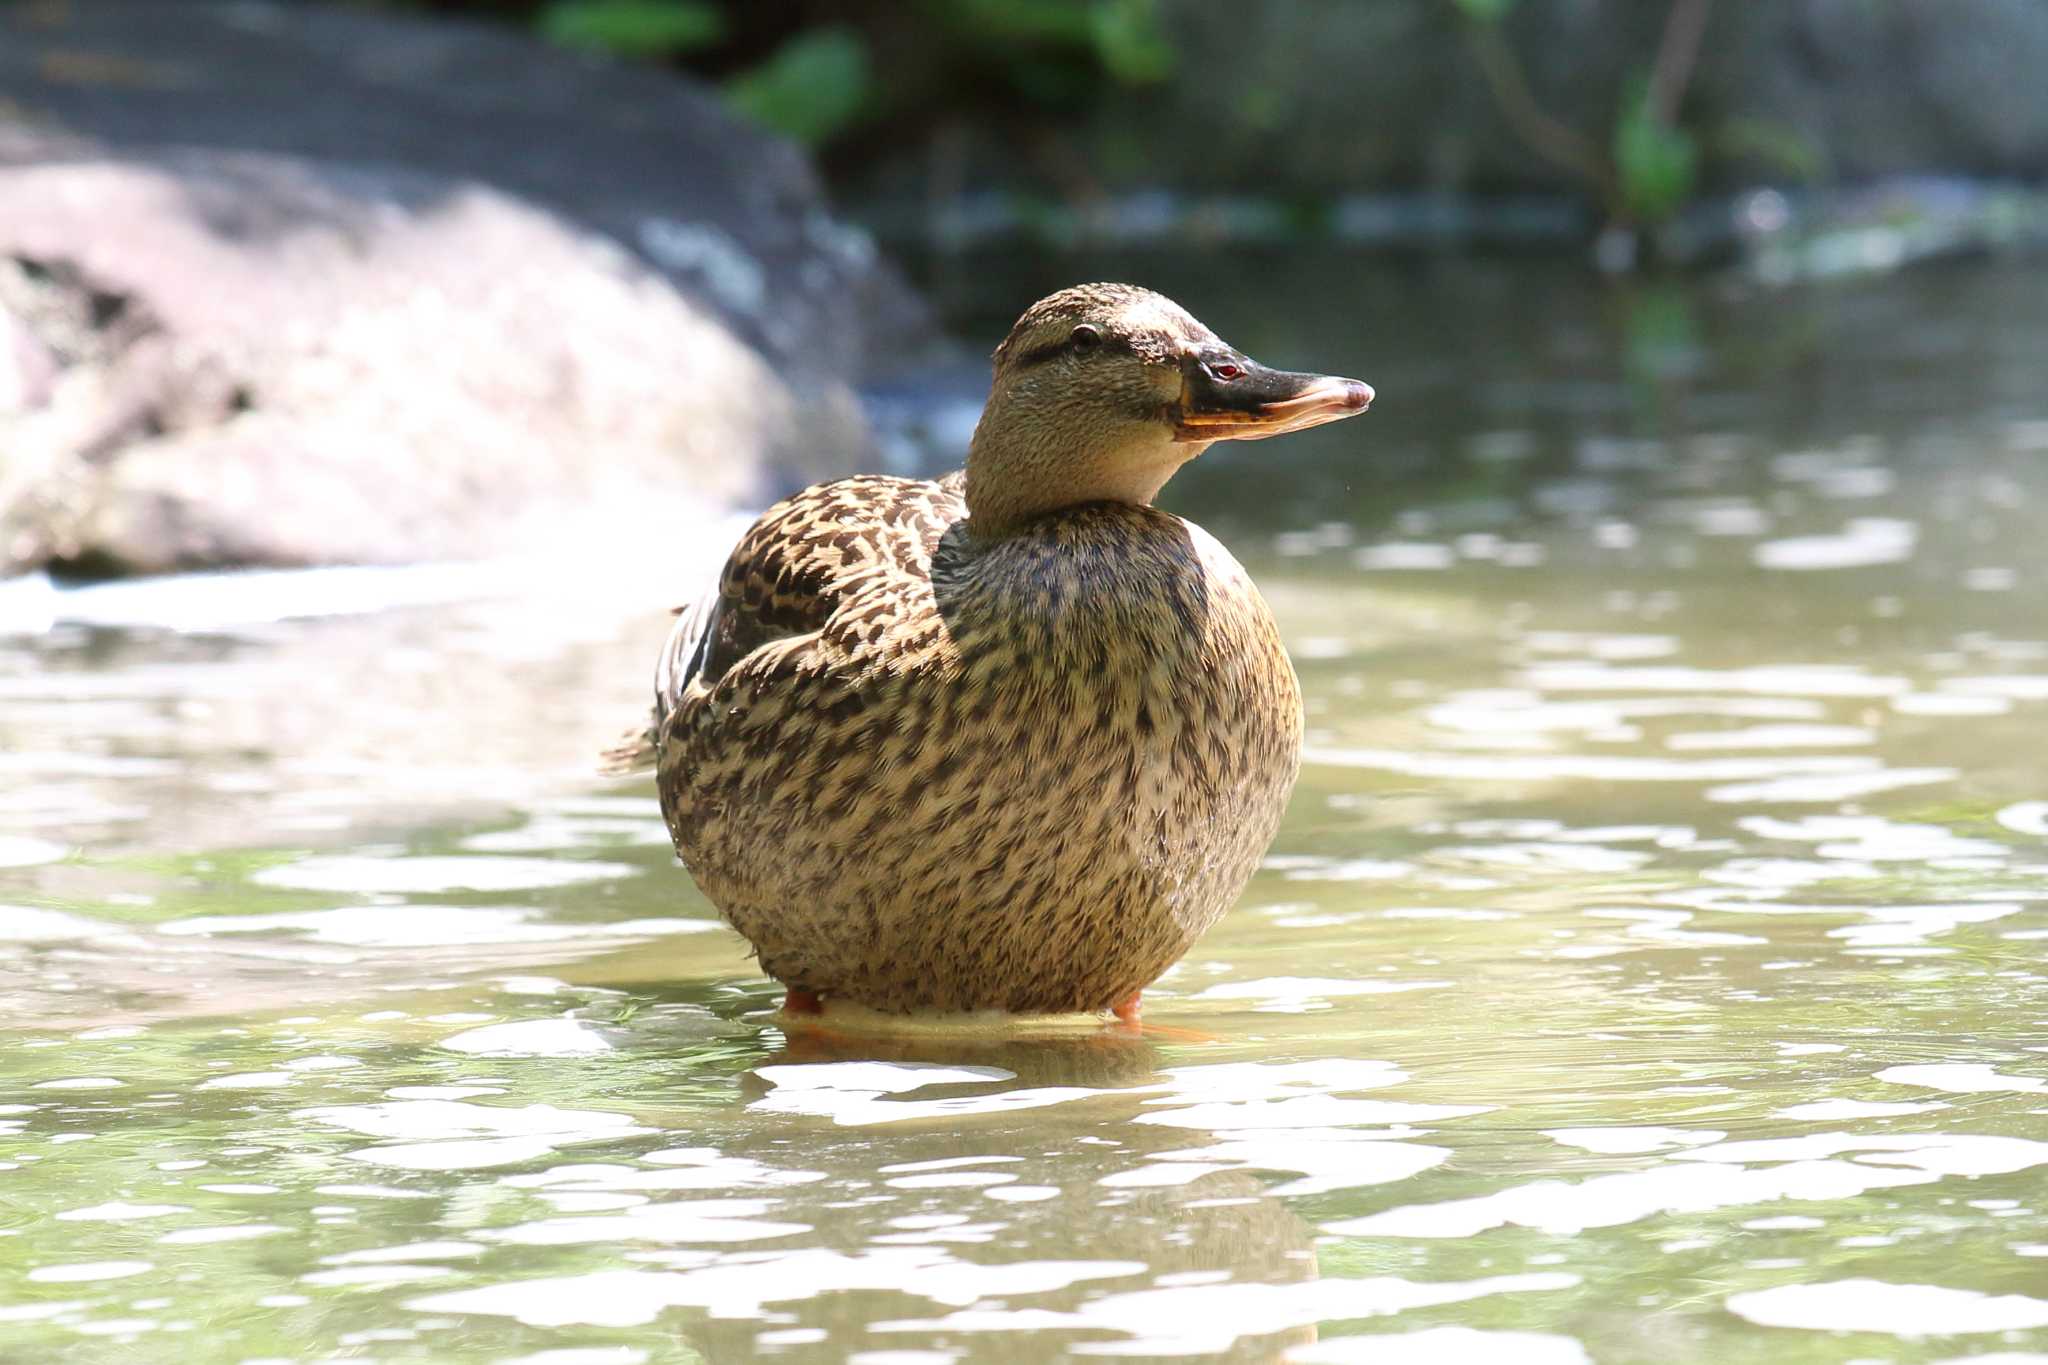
column 799, row 1001
column 1128, row 1010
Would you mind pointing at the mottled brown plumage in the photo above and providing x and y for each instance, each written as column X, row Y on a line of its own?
column 1008, row 740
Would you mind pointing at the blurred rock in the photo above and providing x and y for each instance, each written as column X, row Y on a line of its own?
column 283, row 284
column 232, row 358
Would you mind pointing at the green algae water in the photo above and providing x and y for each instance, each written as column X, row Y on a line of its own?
column 1649, row 969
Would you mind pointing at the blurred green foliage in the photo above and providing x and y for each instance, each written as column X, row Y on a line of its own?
column 815, row 85
column 632, row 28
column 859, row 81
column 809, row 68
column 1648, row 167
column 1120, row 37
column 1776, row 145
column 1655, row 163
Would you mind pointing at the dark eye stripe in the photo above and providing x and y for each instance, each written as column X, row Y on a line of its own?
column 1045, row 351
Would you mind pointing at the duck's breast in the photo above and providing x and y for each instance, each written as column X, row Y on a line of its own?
column 1149, row 697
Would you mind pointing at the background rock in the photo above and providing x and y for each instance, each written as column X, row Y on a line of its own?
column 292, row 285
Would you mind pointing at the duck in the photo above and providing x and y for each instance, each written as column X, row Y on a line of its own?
column 1010, row 740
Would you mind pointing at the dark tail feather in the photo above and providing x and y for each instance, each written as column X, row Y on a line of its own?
column 681, row 660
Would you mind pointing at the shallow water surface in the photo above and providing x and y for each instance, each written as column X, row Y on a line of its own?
column 1649, row 968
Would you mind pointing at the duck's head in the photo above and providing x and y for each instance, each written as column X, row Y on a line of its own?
column 1102, row 391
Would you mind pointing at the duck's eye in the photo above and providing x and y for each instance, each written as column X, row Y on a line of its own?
column 1086, row 338
column 1225, row 370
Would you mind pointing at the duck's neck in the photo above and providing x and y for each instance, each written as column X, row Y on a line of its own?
column 1021, row 468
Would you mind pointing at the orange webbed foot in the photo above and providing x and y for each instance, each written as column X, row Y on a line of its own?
column 797, row 1001
column 1128, row 1013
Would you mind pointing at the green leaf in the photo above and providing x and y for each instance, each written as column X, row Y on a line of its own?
column 814, row 86
column 1129, row 43
column 1656, row 162
column 633, row 28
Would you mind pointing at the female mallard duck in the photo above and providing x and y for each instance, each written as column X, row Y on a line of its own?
column 1011, row 740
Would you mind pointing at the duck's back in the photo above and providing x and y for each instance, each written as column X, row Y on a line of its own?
column 920, row 770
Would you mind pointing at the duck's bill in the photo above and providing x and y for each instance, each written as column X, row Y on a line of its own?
column 1263, row 402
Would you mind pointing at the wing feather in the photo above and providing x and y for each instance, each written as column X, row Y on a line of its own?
column 785, row 578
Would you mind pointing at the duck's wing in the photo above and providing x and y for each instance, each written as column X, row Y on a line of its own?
column 786, row 577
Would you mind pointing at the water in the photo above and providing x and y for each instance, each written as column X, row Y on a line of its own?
column 1649, row 968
